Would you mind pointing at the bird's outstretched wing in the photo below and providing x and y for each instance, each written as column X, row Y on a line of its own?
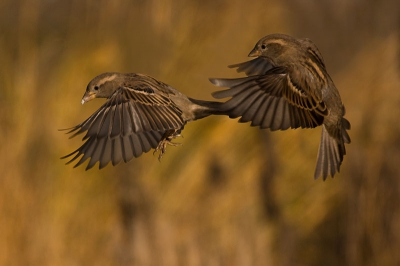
column 274, row 100
column 131, row 109
column 257, row 66
column 132, row 121
column 116, row 149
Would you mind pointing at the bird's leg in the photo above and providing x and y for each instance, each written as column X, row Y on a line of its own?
column 167, row 140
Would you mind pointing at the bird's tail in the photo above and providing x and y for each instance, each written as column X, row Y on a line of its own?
column 207, row 108
column 331, row 151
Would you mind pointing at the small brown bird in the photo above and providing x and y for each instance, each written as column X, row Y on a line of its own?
column 140, row 113
column 287, row 86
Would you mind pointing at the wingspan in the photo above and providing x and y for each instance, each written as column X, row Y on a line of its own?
column 105, row 150
column 272, row 101
column 131, row 110
column 131, row 122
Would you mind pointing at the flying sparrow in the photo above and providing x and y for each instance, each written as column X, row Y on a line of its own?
column 140, row 113
column 287, row 86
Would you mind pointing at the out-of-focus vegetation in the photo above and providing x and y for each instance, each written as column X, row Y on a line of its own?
column 232, row 195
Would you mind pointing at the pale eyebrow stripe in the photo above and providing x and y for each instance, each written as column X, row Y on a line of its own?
column 278, row 41
column 108, row 78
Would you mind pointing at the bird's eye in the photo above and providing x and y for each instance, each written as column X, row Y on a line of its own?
column 263, row 46
column 96, row 88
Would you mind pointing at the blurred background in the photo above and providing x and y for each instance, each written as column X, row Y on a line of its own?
column 232, row 194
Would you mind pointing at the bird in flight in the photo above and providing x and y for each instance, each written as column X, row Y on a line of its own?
column 140, row 114
column 287, row 86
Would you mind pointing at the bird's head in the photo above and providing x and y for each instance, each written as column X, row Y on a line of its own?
column 273, row 46
column 102, row 86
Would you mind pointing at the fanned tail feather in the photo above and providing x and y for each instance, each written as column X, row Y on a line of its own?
column 331, row 152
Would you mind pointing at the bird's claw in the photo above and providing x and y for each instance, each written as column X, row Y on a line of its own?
column 162, row 146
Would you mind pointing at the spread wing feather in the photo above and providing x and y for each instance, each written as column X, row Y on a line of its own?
column 257, row 66
column 130, row 111
column 105, row 150
column 132, row 121
column 274, row 100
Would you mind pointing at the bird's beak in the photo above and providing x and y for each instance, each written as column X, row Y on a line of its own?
column 88, row 96
column 254, row 53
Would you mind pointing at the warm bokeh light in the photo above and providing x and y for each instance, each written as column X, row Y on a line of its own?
column 232, row 194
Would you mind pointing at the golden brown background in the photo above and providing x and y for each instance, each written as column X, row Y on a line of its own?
column 232, row 195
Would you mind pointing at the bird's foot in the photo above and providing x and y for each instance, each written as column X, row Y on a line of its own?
column 162, row 146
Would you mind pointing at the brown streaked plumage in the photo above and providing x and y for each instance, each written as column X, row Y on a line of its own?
column 141, row 113
column 287, row 86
